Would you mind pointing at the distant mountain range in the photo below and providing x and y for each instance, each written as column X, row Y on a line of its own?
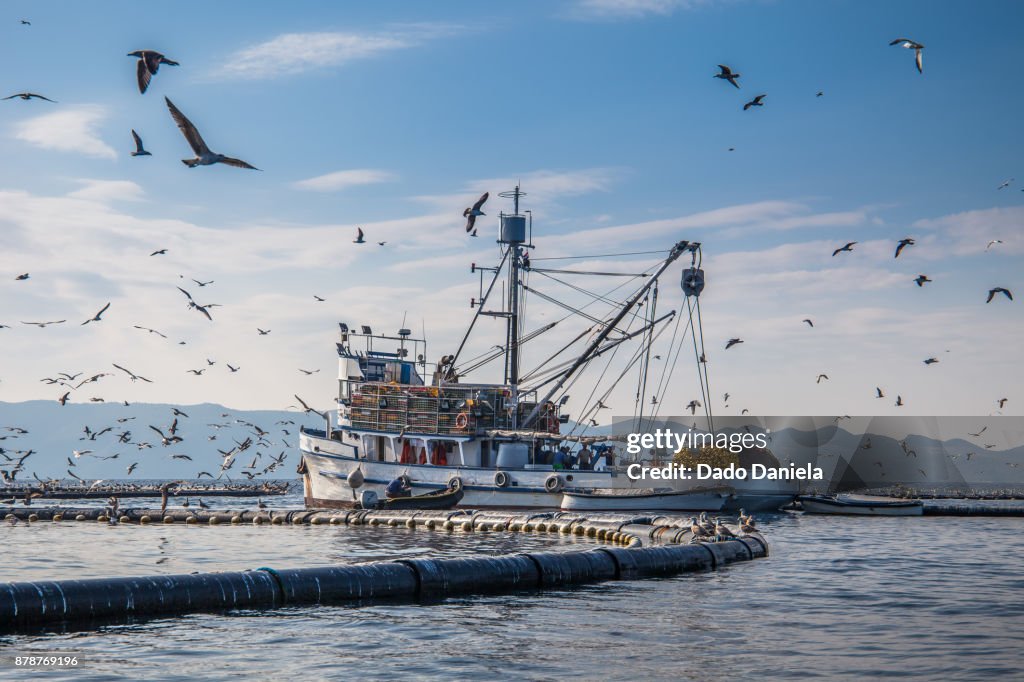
column 54, row 432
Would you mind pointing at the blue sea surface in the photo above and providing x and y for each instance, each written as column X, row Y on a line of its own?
column 839, row 598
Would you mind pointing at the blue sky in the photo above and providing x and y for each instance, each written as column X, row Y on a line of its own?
column 395, row 116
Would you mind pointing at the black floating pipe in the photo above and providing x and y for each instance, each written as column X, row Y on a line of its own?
column 28, row 606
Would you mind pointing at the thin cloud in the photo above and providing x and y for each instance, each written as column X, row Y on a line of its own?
column 292, row 53
column 68, row 130
column 630, row 9
column 108, row 190
column 339, row 180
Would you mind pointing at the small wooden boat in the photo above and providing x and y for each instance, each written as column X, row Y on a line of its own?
column 861, row 505
column 443, row 499
column 643, row 499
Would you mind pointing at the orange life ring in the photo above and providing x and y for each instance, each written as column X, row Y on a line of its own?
column 462, row 421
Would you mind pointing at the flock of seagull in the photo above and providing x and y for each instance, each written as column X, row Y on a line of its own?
column 148, row 63
column 726, row 73
column 257, row 439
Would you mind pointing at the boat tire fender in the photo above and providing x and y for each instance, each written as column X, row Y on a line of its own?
column 553, row 483
column 455, row 483
column 502, row 479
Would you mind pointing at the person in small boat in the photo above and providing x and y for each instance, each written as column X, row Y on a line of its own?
column 398, row 488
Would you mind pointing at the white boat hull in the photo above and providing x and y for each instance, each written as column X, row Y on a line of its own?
column 328, row 464
column 662, row 502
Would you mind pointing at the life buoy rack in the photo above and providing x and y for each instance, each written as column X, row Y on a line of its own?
column 502, row 479
column 553, row 483
column 462, row 421
column 455, row 483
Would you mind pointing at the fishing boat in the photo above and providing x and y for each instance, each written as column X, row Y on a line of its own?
column 860, row 505
column 497, row 442
column 644, row 499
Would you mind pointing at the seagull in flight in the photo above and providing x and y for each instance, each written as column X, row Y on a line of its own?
column 30, row 95
column 998, row 290
column 263, row 332
column 22, row 277
column 899, row 401
column 732, row 342
column 931, row 361
column 911, row 45
column 319, row 300
column 159, row 252
column 233, row 369
column 1002, row 401
column 139, row 150
column 132, row 374
column 359, row 236
column 756, row 102
column 151, row 331
column 473, row 211
column 809, row 323
column 726, row 74
column 202, row 284
column 879, row 393
column 308, row 372
column 903, row 243
column 922, row 280
column 820, row 377
column 848, row 247
column 96, row 317
column 149, row 64
column 204, row 157
column 42, row 325
column 992, row 243
column 1005, row 184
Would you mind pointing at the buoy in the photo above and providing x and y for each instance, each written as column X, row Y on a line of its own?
column 497, row 525
column 168, row 519
column 335, row 521
column 58, row 517
column 315, row 521
column 191, row 519
column 540, row 527
column 448, row 525
column 143, row 519
column 276, row 521
column 431, row 524
column 591, row 532
column 394, row 523
column 10, row 517
column 467, row 526
column 102, row 519
column 124, row 519
column 579, row 530
column 236, row 519
column 80, row 517
column 33, row 517
column 411, row 523
column 214, row 520
column 515, row 527
column 297, row 521
column 257, row 520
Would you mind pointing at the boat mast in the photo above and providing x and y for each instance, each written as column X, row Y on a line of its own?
column 514, row 238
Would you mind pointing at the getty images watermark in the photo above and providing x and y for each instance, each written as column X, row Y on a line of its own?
column 735, row 443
